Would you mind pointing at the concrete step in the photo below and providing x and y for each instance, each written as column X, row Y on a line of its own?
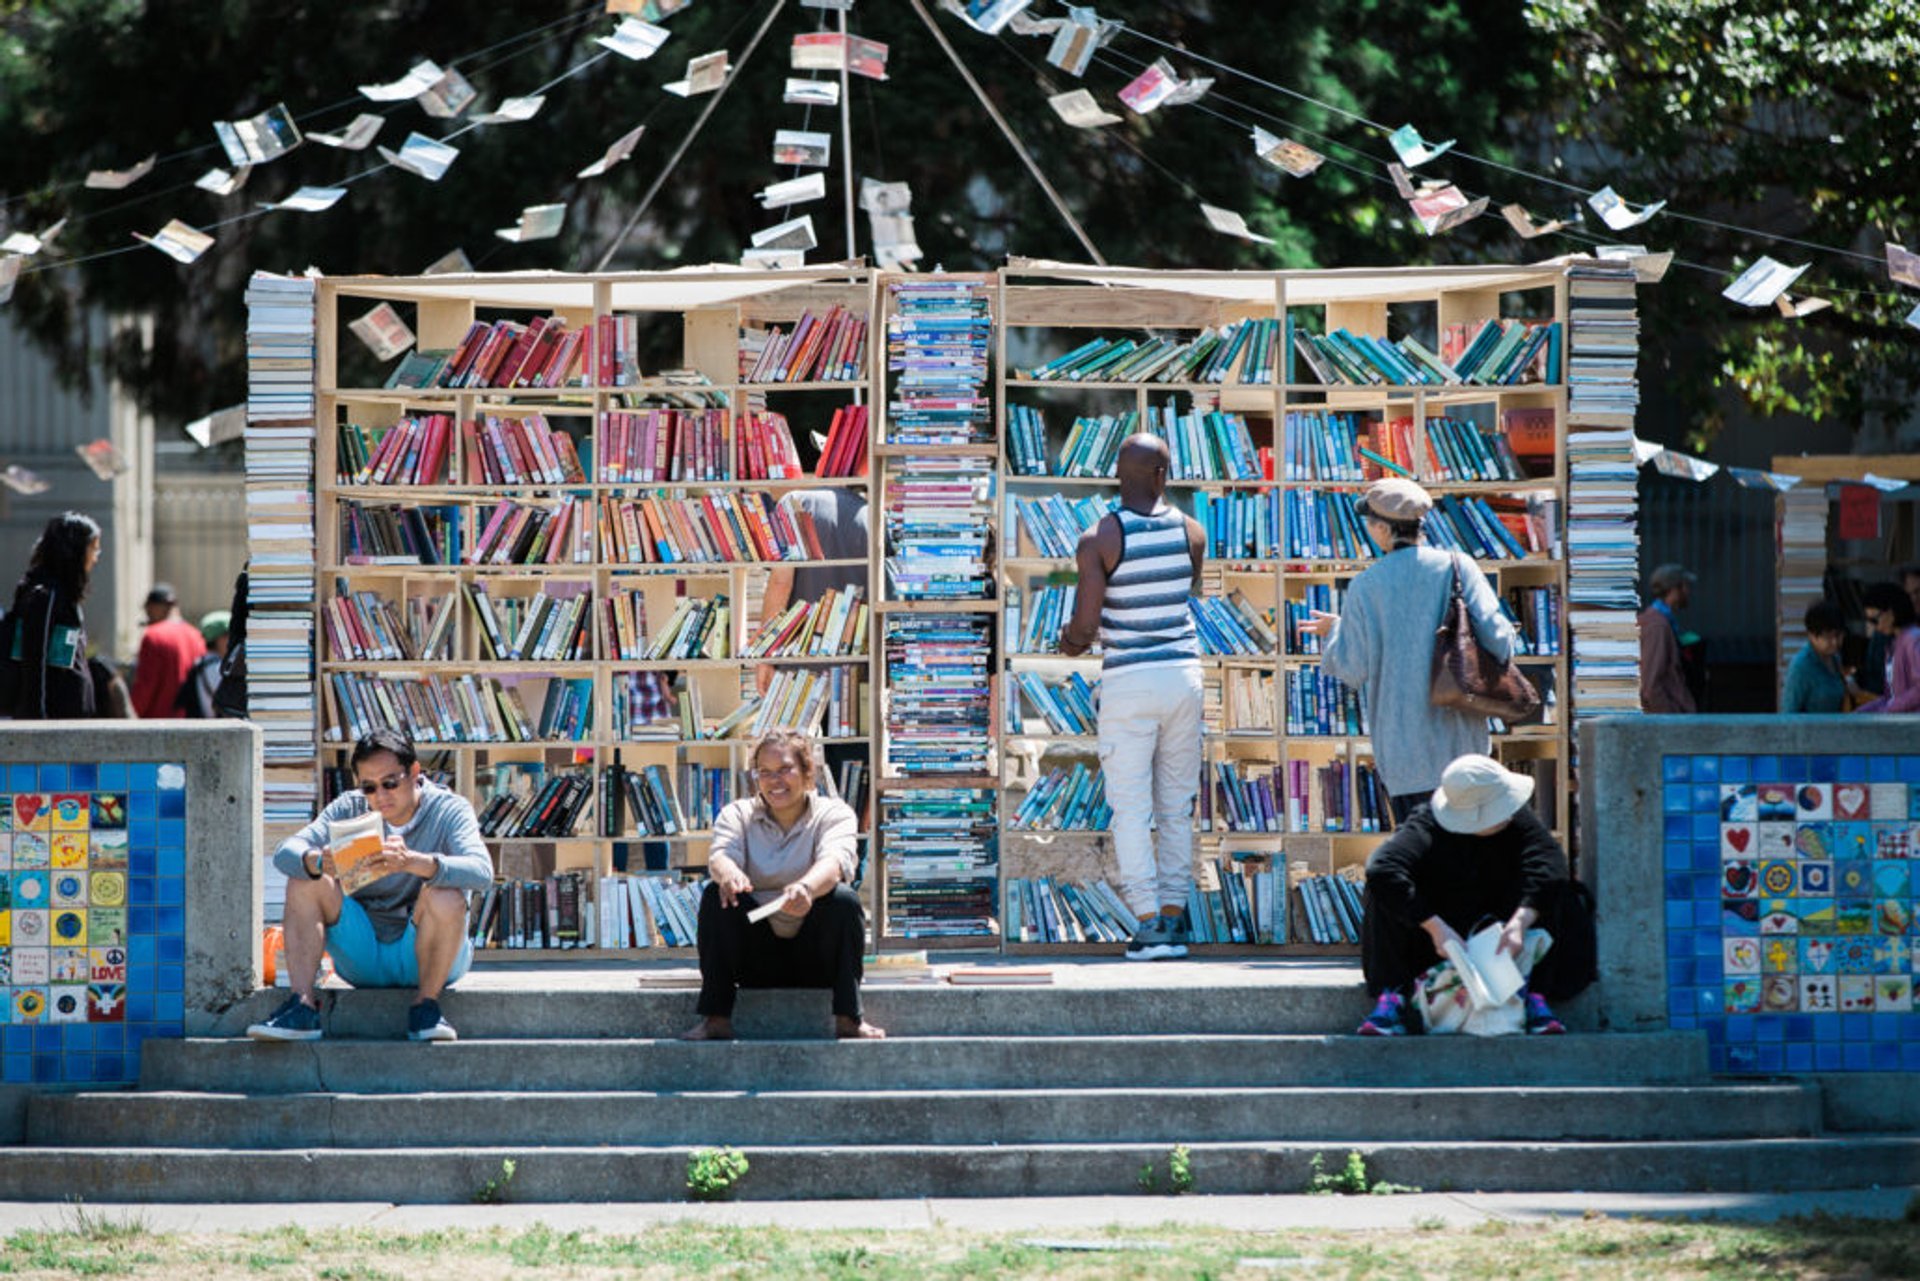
column 931, row 1063
column 864, row 1118
column 544, row 1174
column 1332, row 1001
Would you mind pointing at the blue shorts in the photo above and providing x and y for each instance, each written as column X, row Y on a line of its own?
column 364, row 961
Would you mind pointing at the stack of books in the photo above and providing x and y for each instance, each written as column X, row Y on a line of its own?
column 943, row 862
column 1232, row 624
column 937, row 705
column 1066, row 706
column 1319, row 705
column 1330, row 904
column 1803, row 565
column 939, row 332
column 938, row 519
column 1052, row 525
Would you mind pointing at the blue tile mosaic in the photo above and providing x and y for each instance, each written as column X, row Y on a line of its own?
column 88, row 970
column 1792, row 905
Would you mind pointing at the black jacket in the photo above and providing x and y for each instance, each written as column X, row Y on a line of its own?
column 55, row 683
column 1424, row 870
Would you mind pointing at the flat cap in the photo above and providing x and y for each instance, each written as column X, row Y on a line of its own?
column 1395, row 499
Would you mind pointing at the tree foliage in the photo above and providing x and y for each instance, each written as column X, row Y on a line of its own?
column 101, row 83
column 1796, row 120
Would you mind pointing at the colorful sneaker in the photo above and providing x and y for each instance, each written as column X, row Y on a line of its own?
column 1156, row 940
column 426, row 1023
column 295, row 1020
column 1540, row 1019
column 1390, row 1017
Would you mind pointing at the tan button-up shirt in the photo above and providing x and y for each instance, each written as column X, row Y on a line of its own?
column 774, row 858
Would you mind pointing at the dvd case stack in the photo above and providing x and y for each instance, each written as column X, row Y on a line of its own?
column 943, row 862
column 938, row 336
column 1602, row 541
column 938, row 708
column 1803, row 565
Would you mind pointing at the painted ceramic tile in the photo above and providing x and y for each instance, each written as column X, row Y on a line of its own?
column 1892, row 956
column 32, row 965
column 106, row 964
column 1853, row 955
column 68, row 887
column 1816, row 879
column 1852, row 801
column 69, row 927
column 69, row 849
column 1774, row 840
column 1892, row 840
column 1739, row 917
column 1816, row 955
column 109, row 810
column 1778, row 879
column 31, row 929
column 1777, row 919
column 1742, row 994
column 1740, row 956
column 1891, row 878
column 1779, row 993
column 1814, row 840
column 1818, row 993
column 1853, row 878
column 71, row 811
column 106, row 1002
column 30, row 850
column 32, row 812
column 69, row 965
column 1739, row 840
column 1856, row 993
column 1893, row 916
column 1774, row 801
column 1852, row 840
column 1813, row 801
column 6, row 851
column 106, row 926
column 1852, row 916
column 1739, row 803
column 1893, row 994
column 107, row 848
column 1778, row 955
column 1738, row 879
column 29, row 1004
column 1889, row 801
column 107, row 889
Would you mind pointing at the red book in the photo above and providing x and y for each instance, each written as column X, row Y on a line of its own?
column 516, row 358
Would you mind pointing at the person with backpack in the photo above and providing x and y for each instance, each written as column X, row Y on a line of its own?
column 196, row 697
column 45, row 674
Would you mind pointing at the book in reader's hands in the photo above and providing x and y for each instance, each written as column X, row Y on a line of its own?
column 1489, row 975
column 352, row 842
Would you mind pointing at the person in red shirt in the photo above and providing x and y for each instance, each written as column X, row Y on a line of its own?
column 168, row 650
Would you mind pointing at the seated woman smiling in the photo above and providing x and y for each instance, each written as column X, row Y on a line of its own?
column 786, row 845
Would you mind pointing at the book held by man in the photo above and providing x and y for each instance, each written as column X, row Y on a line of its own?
column 353, row 844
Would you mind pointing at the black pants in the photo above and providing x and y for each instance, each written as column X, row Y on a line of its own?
column 737, row 953
column 1405, row 803
column 1393, row 954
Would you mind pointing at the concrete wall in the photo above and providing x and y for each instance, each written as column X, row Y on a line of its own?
column 195, row 854
column 1687, row 907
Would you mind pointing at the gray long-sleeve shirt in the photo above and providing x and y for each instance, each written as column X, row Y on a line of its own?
column 442, row 824
column 1383, row 645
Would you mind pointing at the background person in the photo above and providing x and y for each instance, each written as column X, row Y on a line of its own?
column 1138, row 566
column 203, row 678
column 1890, row 613
column 1476, row 851
column 406, row 928
column 169, row 647
column 786, row 844
column 1381, row 643
column 1663, row 676
column 47, row 651
column 1815, row 682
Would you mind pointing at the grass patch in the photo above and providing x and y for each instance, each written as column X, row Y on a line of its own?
column 1594, row 1248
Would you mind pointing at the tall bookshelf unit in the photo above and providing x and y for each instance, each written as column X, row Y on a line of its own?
column 954, row 747
column 684, row 321
column 1047, row 310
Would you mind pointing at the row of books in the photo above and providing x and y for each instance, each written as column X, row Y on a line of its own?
column 543, row 627
column 1205, row 445
column 517, row 533
column 1054, row 523
column 938, row 335
column 1237, row 902
column 398, row 534
column 828, row 701
column 699, row 627
column 414, row 451
column 1239, row 797
column 553, row 810
column 577, row 909
column 1332, row 906
column 938, row 711
column 1319, row 705
column 1496, row 353
column 819, row 348
column 694, row 446
column 667, row 800
column 543, row 352
column 454, row 709
column 1242, row 347
column 1339, row 796
column 1246, row 703
column 1065, row 800
column 731, row 527
column 1359, row 447
column 832, row 626
column 1324, row 598
column 1046, row 909
column 365, row 627
column 939, row 515
column 942, row 860
column 1033, row 624
column 1326, row 525
column 1233, row 625
column 843, row 452
column 1535, row 614
column 1067, row 706
column 1240, row 524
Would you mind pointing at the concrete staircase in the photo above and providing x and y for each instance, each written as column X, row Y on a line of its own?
column 980, row 1092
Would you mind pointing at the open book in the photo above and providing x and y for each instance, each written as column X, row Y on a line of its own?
column 353, row 841
column 1489, row 975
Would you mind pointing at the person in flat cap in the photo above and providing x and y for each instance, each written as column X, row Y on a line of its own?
column 1663, row 675
column 1381, row 643
column 1475, row 853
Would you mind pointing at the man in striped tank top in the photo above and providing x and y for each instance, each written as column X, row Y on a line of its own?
column 1138, row 567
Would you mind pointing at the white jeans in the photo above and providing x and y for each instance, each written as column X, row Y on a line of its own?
column 1150, row 721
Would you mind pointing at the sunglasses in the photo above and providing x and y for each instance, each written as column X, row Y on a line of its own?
column 391, row 783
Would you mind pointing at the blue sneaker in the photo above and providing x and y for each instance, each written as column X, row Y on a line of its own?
column 1390, row 1017
column 295, row 1020
column 426, row 1023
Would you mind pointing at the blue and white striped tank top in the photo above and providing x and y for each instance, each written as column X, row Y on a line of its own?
column 1144, row 619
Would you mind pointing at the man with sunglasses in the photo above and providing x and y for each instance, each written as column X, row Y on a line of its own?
column 405, row 928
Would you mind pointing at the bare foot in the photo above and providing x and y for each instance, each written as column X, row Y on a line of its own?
column 709, row 1029
column 856, row 1029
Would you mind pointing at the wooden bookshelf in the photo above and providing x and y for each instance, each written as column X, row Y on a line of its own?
column 684, row 321
column 1046, row 310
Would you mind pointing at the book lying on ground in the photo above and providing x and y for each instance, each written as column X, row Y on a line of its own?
column 1489, row 975
column 1001, row 975
column 352, row 843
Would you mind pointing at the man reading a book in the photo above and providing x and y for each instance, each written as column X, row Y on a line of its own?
column 391, row 911
column 779, row 908
column 1474, row 852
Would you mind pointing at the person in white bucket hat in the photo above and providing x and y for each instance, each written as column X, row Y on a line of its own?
column 1474, row 852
